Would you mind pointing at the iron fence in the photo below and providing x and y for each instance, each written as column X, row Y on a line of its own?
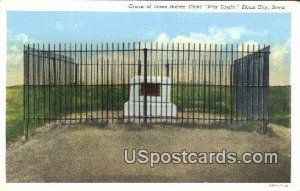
column 145, row 82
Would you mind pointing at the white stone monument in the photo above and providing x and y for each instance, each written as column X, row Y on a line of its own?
column 158, row 93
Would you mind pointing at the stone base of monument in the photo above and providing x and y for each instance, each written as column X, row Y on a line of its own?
column 158, row 112
column 156, row 93
column 150, row 120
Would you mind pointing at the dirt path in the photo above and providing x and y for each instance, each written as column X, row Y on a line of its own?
column 79, row 153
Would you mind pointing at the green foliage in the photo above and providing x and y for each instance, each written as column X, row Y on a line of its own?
column 280, row 105
column 14, row 112
column 68, row 99
column 212, row 98
column 55, row 101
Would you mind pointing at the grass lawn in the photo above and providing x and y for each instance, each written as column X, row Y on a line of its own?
column 14, row 112
column 279, row 103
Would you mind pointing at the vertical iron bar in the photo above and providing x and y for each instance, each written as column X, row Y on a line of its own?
column 161, row 78
column 199, row 81
column 107, row 83
column 247, row 84
column 182, row 86
column 258, row 85
column 209, row 85
column 72, row 74
column 215, row 82
column 253, row 83
column 172, row 80
column 231, row 85
column 76, row 82
column 263, row 84
column 188, row 84
column 97, row 81
column 151, row 66
column 102, row 84
column 33, row 82
column 236, row 85
column 156, row 77
column 50, row 86
column 66, row 101
column 25, row 90
column 64, row 76
column 167, row 81
column 81, row 82
column 55, row 81
column 242, row 85
column 44, row 87
column 117, row 81
column 177, row 83
column 59, row 82
column 145, row 85
column 112, row 81
column 204, row 89
column 38, row 84
column 220, row 82
column 139, row 81
column 91, row 83
column 86, row 82
column 123, row 77
column 134, row 85
column 128, row 76
column 226, row 83
column 28, row 93
column 266, row 87
column 193, row 82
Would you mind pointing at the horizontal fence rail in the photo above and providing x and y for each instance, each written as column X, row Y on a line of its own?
column 145, row 82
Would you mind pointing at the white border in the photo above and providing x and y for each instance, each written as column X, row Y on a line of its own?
column 2, row 91
column 295, row 49
column 122, row 6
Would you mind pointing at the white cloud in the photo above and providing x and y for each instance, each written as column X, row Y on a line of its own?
column 14, row 73
column 237, row 32
column 14, row 49
column 280, row 53
column 215, row 35
column 15, row 57
column 22, row 38
column 279, row 57
column 163, row 37
column 280, row 64
column 16, row 42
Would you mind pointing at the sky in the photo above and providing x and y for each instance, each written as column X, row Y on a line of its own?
column 99, row 27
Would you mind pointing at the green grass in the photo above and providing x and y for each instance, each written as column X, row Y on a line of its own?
column 189, row 96
column 49, row 102
column 184, row 96
column 14, row 112
column 280, row 105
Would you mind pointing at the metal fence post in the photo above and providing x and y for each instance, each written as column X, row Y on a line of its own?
column 145, row 85
column 26, row 91
column 266, row 87
column 244, row 71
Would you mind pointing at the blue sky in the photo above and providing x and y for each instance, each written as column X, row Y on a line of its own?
column 96, row 27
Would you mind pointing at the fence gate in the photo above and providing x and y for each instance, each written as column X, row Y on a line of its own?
column 145, row 83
